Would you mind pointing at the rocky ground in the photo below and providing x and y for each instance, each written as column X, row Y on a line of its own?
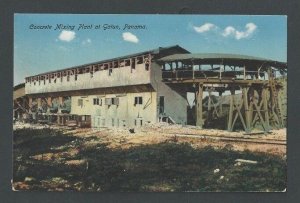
column 162, row 132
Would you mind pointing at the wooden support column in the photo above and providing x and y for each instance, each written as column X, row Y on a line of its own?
column 230, row 113
column 39, row 102
column 247, row 110
column 279, row 103
column 258, row 105
column 60, row 100
column 252, row 97
column 58, row 119
column 209, row 112
column 24, row 104
column 49, row 101
column 30, row 102
column 265, row 107
column 221, row 105
column 199, row 114
column 193, row 69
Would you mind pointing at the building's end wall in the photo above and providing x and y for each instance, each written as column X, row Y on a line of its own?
column 175, row 105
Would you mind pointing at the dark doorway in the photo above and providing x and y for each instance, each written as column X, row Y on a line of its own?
column 161, row 104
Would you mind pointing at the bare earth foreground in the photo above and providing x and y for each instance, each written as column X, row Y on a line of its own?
column 158, row 157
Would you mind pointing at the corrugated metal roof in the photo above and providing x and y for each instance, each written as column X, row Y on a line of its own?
column 217, row 56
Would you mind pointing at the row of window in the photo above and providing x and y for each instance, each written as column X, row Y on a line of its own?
column 116, row 122
column 110, row 101
column 54, row 80
column 76, row 76
column 147, row 66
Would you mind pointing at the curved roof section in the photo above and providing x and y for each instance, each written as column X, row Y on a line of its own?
column 230, row 59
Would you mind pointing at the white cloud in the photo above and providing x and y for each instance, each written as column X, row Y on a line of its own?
column 66, row 35
column 204, row 28
column 129, row 37
column 228, row 31
column 231, row 31
column 86, row 42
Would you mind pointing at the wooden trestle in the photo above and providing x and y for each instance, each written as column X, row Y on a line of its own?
column 259, row 104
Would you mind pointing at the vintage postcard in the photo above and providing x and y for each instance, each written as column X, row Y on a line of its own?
column 150, row 103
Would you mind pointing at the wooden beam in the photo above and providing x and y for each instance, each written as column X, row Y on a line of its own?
column 199, row 114
column 39, row 102
column 246, row 110
column 60, row 100
column 30, row 101
column 242, row 118
column 209, row 113
column 230, row 113
column 49, row 101
column 215, row 81
column 265, row 107
column 279, row 103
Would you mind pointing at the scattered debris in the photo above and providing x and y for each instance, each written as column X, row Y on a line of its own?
column 238, row 164
column 20, row 186
column 29, row 179
column 246, row 161
column 217, row 170
column 81, row 164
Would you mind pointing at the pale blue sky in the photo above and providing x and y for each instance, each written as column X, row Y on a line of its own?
column 41, row 50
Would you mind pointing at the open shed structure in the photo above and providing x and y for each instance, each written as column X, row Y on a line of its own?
column 258, row 80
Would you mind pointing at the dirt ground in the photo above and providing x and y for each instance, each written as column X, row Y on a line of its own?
column 72, row 157
column 162, row 132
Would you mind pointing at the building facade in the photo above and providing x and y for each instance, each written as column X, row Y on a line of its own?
column 121, row 92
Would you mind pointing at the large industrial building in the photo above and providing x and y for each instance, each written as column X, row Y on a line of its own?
column 124, row 91
column 152, row 86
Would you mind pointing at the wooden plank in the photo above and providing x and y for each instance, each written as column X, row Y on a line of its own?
column 238, row 114
column 209, row 112
column 246, row 107
column 30, row 101
column 229, row 124
column 242, row 119
column 215, row 81
column 261, row 118
column 234, row 120
column 199, row 114
column 39, row 102
column 279, row 103
column 265, row 108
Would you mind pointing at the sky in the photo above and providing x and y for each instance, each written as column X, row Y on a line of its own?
column 46, row 42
